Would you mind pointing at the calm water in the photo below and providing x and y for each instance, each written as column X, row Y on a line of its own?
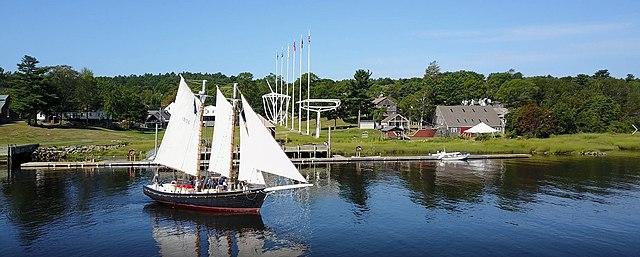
column 535, row 207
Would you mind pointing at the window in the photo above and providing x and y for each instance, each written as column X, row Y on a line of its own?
column 485, row 110
column 451, row 110
column 458, row 120
column 463, row 110
column 465, row 120
column 474, row 110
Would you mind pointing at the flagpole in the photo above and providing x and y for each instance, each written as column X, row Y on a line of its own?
column 308, row 76
column 279, row 99
column 300, row 88
column 293, row 87
column 286, row 111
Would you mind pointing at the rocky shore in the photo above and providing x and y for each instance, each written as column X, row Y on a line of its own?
column 64, row 153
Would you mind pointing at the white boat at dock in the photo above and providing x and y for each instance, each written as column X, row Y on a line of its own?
column 452, row 156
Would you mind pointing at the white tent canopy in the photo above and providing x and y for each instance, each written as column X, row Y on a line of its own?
column 481, row 128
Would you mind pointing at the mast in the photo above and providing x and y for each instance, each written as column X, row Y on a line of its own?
column 233, row 175
column 202, row 98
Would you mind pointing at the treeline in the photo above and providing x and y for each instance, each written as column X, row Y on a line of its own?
column 539, row 106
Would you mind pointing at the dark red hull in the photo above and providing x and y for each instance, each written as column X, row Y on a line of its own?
column 243, row 202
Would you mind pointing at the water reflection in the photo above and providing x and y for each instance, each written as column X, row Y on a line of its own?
column 395, row 208
column 35, row 199
column 189, row 233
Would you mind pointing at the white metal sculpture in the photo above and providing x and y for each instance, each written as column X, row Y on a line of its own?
column 318, row 106
column 275, row 107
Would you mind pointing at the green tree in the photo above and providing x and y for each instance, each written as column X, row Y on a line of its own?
column 357, row 99
column 433, row 71
column 64, row 81
column 630, row 77
column 600, row 112
column 602, row 74
column 418, row 106
column 28, row 90
column 517, row 92
column 565, row 115
column 87, row 99
column 125, row 105
column 454, row 87
column 496, row 80
column 532, row 121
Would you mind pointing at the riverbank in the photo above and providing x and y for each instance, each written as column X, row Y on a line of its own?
column 115, row 145
column 345, row 141
column 79, row 144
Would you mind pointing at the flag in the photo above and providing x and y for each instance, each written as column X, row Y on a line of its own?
column 301, row 43
column 309, row 38
column 294, row 45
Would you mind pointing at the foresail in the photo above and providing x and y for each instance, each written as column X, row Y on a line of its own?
column 262, row 151
column 246, row 171
column 221, row 145
column 180, row 144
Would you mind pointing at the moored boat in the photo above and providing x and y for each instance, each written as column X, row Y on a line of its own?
column 452, row 156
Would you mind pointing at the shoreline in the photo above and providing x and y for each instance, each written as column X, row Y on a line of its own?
column 335, row 159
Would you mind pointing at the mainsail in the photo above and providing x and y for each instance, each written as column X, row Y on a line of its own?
column 180, row 144
column 221, row 145
column 262, row 152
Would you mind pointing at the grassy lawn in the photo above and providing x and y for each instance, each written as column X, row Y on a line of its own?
column 20, row 133
column 344, row 141
column 372, row 142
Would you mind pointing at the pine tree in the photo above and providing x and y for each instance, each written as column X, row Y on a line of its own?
column 28, row 90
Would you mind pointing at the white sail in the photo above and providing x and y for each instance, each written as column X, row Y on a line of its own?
column 221, row 145
column 262, row 152
column 180, row 144
column 246, row 170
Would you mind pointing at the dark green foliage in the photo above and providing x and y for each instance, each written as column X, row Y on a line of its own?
column 452, row 88
column 532, row 121
column 123, row 104
column 540, row 106
column 518, row 92
column 357, row 98
column 433, row 71
column 28, row 91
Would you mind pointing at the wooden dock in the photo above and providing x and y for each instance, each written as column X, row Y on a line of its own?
column 293, row 152
column 338, row 159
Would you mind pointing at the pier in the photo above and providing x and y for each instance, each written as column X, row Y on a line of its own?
column 205, row 163
column 293, row 152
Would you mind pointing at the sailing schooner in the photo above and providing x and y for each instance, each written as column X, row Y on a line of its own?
column 180, row 150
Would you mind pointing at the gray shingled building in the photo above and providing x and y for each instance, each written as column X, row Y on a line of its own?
column 454, row 120
column 388, row 103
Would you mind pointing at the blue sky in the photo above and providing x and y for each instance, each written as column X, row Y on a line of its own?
column 390, row 38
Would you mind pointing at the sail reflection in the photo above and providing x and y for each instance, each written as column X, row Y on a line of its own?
column 181, row 232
